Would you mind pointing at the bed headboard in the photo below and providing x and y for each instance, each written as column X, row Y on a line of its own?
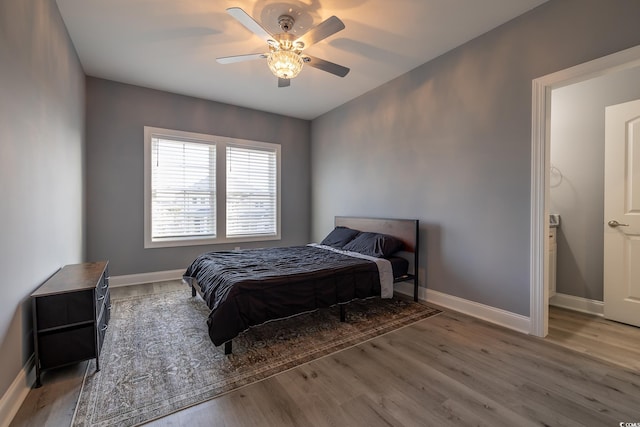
column 406, row 230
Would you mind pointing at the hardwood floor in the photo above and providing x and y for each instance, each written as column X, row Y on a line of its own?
column 446, row 370
column 611, row 341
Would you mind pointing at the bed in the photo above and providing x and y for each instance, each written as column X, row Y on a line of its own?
column 361, row 258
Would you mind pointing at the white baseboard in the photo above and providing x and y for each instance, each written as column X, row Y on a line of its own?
column 136, row 279
column 583, row 305
column 406, row 288
column 17, row 393
column 516, row 322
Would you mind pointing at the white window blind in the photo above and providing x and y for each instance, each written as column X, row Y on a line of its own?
column 204, row 189
column 252, row 197
column 183, row 189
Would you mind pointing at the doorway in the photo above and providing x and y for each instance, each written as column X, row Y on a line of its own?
column 577, row 184
column 540, row 171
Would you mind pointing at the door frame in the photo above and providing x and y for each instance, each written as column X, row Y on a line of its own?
column 540, row 171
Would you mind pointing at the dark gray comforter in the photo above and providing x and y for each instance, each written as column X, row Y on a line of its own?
column 249, row 287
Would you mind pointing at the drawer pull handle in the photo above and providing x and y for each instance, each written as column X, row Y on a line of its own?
column 109, row 308
column 101, row 297
column 104, row 328
column 105, row 286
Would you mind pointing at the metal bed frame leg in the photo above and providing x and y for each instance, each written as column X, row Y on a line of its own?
column 416, row 260
column 227, row 347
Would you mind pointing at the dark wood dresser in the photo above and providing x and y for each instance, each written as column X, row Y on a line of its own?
column 71, row 313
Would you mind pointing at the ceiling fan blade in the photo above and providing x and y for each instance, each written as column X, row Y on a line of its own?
column 327, row 66
column 321, row 31
column 284, row 82
column 240, row 58
column 245, row 19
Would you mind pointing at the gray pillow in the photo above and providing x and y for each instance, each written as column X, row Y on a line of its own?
column 374, row 244
column 339, row 237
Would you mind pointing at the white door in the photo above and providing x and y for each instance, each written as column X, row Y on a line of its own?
column 622, row 213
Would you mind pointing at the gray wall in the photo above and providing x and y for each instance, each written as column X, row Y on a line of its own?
column 449, row 143
column 577, row 182
column 41, row 165
column 116, row 116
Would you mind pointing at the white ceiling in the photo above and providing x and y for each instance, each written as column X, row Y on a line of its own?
column 172, row 45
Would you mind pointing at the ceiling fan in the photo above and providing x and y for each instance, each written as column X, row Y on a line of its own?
column 285, row 57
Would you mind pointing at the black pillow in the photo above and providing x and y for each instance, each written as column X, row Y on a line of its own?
column 374, row 244
column 339, row 237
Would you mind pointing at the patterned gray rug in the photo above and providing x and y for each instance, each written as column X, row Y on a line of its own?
column 157, row 357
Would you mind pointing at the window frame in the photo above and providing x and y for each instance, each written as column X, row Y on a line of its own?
column 221, row 188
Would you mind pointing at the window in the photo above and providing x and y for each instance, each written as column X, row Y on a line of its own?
column 183, row 189
column 252, row 195
column 204, row 189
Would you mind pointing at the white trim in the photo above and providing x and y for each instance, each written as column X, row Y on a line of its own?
column 406, row 288
column 538, row 309
column 17, row 392
column 540, row 119
column 580, row 304
column 507, row 319
column 137, row 279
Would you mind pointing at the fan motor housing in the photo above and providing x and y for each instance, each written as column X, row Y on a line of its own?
column 286, row 22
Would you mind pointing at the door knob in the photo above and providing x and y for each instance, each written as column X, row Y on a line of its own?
column 613, row 224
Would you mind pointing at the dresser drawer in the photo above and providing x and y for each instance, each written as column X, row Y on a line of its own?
column 64, row 309
column 101, row 302
column 102, row 287
column 103, row 306
column 102, row 331
column 103, row 319
column 67, row 346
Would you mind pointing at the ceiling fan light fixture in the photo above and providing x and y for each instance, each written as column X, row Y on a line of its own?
column 285, row 64
column 285, row 58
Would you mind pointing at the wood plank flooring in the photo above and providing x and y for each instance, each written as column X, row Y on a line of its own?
column 611, row 341
column 446, row 370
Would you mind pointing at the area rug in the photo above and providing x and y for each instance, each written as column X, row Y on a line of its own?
column 157, row 357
